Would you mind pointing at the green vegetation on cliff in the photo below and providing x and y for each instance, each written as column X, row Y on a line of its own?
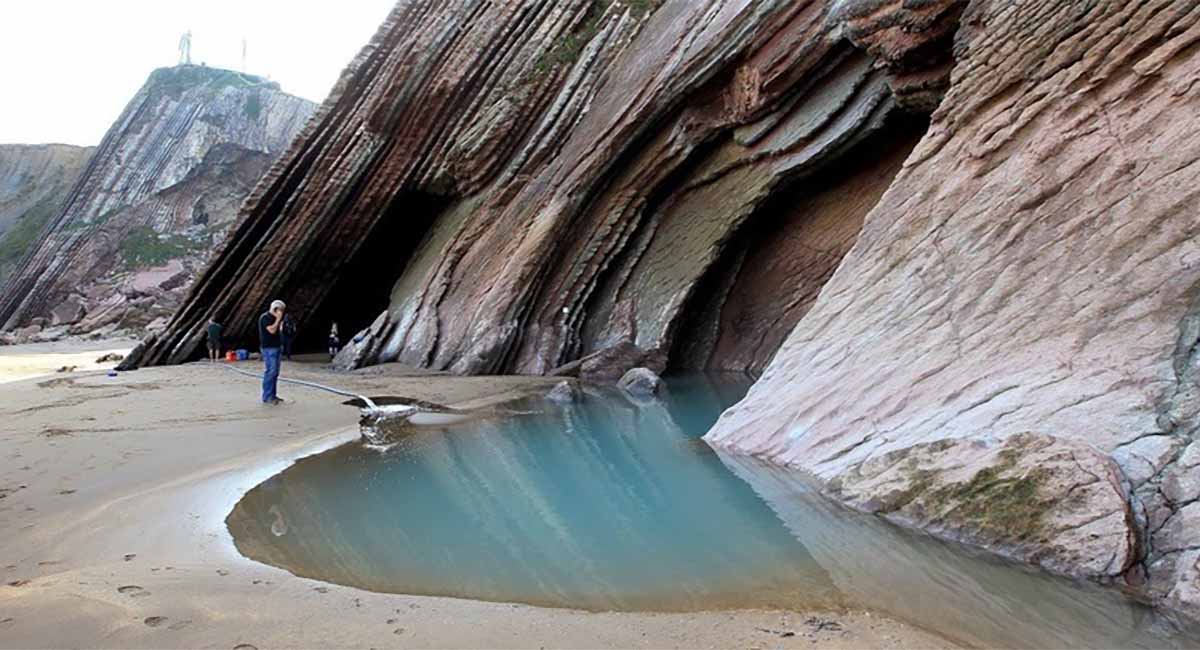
column 175, row 81
column 253, row 106
column 23, row 235
column 143, row 247
column 1000, row 500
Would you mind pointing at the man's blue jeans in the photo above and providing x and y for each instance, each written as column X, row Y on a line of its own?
column 270, row 374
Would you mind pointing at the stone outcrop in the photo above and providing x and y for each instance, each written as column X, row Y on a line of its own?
column 34, row 183
column 1031, row 269
column 956, row 234
column 565, row 392
column 946, row 587
column 158, row 195
column 640, row 382
column 499, row 187
column 1045, row 500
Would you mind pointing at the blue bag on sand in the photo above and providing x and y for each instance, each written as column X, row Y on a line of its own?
column 243, row 355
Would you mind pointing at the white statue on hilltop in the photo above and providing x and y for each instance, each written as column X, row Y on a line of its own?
column 185, row 48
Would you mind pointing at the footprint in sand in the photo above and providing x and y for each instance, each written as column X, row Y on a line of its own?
column 5, row 622
column 178, row 625
column 66, row 492
column 244, row 646
column 18, row 583
column 130, row 556
column 133, row 591
column 155, row 621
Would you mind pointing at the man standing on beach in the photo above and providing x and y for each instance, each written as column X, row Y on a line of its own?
column 214, row 340
column 270, row 330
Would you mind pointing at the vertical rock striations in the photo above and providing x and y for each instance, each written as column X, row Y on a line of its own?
column 34, row 182
column 1013, row 336
column 532, row 184
column 159, row 193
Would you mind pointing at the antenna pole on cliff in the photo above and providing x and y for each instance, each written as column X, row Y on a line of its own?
column 185, row 48
column 243, row 56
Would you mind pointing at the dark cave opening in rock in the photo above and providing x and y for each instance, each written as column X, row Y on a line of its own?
column 364, row 282
column 773, row 269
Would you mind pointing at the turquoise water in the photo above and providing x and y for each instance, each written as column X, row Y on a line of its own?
column 612, row 504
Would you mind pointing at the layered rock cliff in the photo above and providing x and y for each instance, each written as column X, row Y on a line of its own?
column 158, row 195
column 34, row 182
column 511, row 187
column 1007, row 354
column 964, row 222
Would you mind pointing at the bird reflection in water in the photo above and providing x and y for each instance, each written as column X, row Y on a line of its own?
column 279, row 527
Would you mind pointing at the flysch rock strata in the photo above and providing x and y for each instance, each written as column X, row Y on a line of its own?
column 502, row 187
column 34, row 182
column 157, row 196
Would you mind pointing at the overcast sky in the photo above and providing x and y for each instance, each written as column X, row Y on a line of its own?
column 68, row 67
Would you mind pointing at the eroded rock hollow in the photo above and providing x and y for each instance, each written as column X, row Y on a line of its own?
column 958, row 236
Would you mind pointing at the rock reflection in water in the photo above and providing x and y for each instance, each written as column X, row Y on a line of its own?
column 976, row 599
column 601, row 505
column 611, row 505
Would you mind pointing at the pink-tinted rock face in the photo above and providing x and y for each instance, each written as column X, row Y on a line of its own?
column 578, row 186
column 164, row 185
column 1032, row 269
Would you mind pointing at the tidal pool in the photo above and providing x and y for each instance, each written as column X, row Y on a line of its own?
column 614, row 504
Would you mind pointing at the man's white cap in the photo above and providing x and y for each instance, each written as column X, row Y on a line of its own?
column 278, row 304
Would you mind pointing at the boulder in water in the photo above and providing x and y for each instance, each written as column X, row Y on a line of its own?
column 641, row 382
column 564, row 392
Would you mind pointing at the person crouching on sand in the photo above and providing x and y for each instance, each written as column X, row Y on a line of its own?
column 214, row 340
column 270, row 326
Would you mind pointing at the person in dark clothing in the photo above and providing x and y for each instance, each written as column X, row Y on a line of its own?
column 214, row 340
column 289, row 335
column 270, row 337
column 335, row 343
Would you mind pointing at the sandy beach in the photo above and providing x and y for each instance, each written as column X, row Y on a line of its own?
column 114, row 491
column 39, row 359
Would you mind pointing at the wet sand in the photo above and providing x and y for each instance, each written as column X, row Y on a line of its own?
column 114, row 491
column 39, row 359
